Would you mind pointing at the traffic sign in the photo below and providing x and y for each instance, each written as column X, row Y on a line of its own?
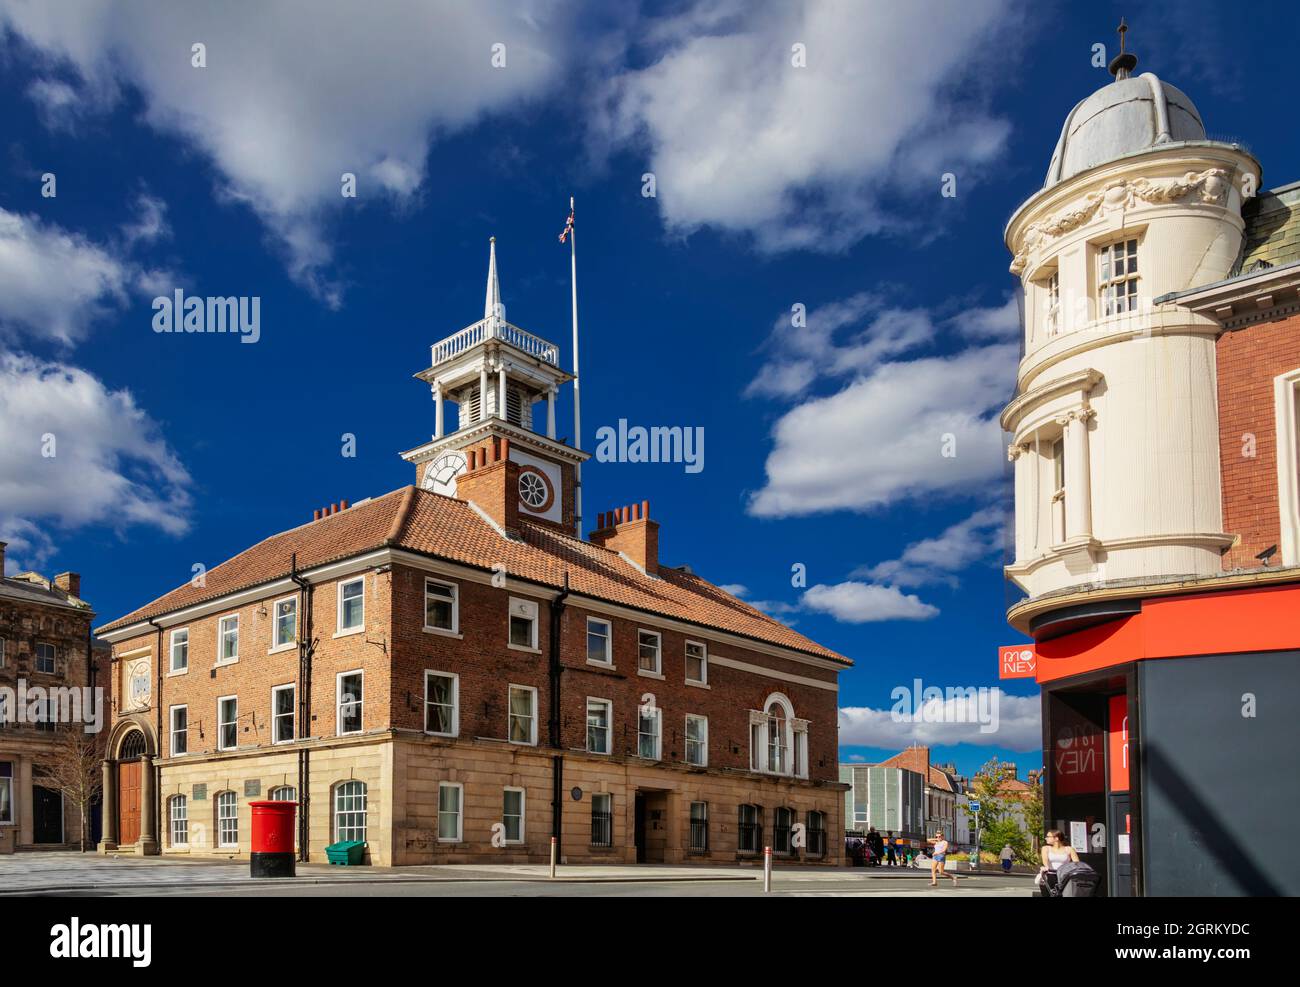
column 974, row 807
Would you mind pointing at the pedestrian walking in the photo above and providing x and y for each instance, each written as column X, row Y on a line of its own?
column 889, row 844
column 939, row 860
column 1054, row 853
column 1007, row 855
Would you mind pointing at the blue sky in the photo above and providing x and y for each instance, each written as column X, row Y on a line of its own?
column 776, row 186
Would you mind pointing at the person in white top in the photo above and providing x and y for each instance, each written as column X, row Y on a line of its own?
column 1007, row 856
column 939, row 860
column 1054, row 853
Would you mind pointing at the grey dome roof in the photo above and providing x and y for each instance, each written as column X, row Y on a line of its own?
column 1130, row 114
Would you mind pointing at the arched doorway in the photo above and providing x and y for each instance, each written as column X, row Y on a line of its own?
column 129, row 755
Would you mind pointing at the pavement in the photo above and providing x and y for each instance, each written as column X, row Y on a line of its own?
column 81, row 875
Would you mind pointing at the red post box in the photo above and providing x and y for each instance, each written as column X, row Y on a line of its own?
column 273, row 830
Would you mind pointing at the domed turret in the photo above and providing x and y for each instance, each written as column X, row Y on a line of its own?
column 1129, row 115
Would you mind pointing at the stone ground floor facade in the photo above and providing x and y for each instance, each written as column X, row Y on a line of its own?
column 34, row 815
column 420, row 800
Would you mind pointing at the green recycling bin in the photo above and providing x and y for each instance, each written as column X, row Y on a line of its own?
column 349, row 853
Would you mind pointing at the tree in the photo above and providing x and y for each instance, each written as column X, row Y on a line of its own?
column 1032, row 808
column 74, row 768
column 1004, row 832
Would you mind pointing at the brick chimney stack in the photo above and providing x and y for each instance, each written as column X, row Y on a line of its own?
column 69, row 582
column 491, row 482
column 629, row 530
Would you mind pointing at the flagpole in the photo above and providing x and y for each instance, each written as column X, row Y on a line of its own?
column 577, row 403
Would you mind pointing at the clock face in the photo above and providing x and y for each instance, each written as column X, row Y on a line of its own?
column 138, row 684
column 440, row 475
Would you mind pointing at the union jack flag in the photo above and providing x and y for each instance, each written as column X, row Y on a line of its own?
column 568, row 228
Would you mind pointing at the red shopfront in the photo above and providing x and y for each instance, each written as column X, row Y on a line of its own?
column 1168, row 739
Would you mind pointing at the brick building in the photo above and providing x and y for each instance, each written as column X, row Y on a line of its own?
column 449, row 674
column 1154, row 437
column 45, row 644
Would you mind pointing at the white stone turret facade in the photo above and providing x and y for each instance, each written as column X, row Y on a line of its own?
column 1114, row 430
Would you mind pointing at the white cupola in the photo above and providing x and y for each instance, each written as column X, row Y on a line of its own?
column 1114, row 430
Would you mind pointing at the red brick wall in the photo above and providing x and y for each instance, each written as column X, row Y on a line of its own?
column 487, row 668
column 1248, row 360
column 395, row 652
column 257, row 672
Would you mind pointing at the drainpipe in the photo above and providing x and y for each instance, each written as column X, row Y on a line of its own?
column 155, row 808
column 553, row 720
column 305, row 649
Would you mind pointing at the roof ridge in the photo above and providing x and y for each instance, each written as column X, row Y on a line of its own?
column 403, row 514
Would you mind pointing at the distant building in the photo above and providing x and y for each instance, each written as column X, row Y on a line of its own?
column 45, row 644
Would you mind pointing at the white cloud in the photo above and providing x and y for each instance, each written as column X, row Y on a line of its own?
column 1001, row 322
column 27, row 546
column 54, row 284
column 110, row 464
column 741, row 140
column 944, row 723
column 970, row 541
column 296, row 94
column 881, row 439
column 860, row 603
column 735, row 589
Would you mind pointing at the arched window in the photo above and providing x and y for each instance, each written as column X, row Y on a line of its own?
column 283, row 793
column 816, row 834
column 782, row 824
column 132, row 747
column 178, row 812
column 778, row 741
column 749, row 832
column 227, row 820
column 350, row 811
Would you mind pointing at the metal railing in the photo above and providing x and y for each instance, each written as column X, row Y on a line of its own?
column 816, row 842
column 602, row 829
column 485, row 329
column 699, row 836
column 751, row 837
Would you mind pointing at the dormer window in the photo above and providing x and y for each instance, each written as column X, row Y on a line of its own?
column 1117, row 277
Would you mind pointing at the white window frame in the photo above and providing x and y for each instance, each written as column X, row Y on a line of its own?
column 658, row 671
column 1109, row 302
column 703, row 741
column 173, row 818
column 430, row 673
column 704, row 662
column 172, row 668
column 454, row 630
column 1286, row 409
column 54, row 658
column 222, row 723
column 523, row 813
column 221, row 637
column 364, row 811
column 657, row 715
column 338, row 703
column 293, row 713
column 222, row 842
column 339, row 629
column 793, row 742
column 460, row 812
column 609, row 642
column 272, row 794
column 510, row 716
column 609, row 724
column 276, row 644
column 172, row 731
column 526, row 608
column 1051, row 287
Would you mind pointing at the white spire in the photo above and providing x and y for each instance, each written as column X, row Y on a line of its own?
column 492, row 303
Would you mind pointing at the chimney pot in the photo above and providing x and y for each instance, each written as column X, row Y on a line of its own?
column 315, row 515
column 645, row 509
column 473, row 460
column 344, row 504
column 334, row 508
column 505, row 448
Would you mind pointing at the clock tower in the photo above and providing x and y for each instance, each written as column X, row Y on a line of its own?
column 503, row 382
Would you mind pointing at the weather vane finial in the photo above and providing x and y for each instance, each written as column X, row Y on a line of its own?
column 1123, row 64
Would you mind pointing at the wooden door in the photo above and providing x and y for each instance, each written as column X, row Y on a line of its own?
column 128, row 802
